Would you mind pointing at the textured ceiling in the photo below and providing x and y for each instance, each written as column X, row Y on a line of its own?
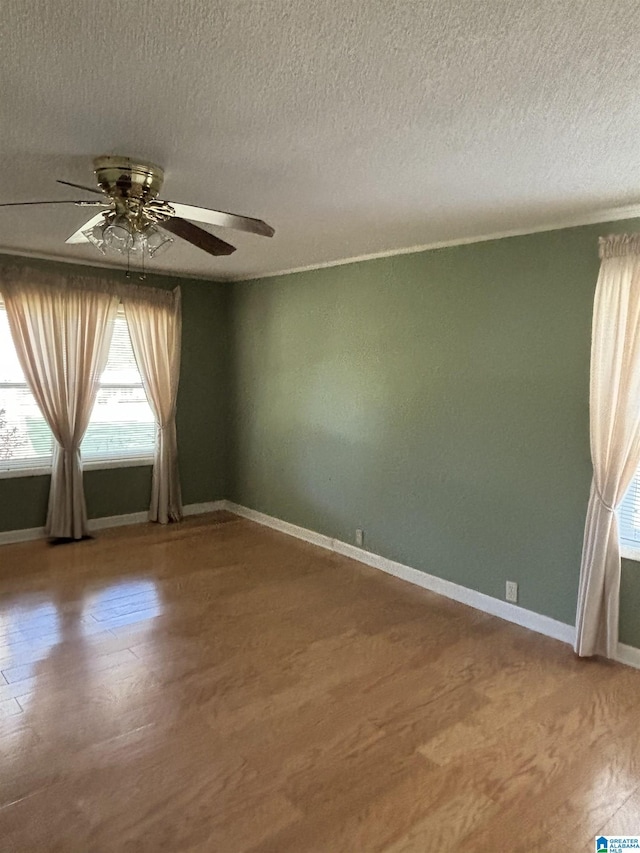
column 352, row 126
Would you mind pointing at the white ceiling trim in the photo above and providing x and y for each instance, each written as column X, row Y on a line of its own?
column 614, row 214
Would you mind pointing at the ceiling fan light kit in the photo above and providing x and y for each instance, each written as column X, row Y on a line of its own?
column 134, row 221
column 118, row 234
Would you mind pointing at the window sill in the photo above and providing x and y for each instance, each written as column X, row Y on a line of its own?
column 89, row 465
column 630, row 552
column 125, row 462
column 8, row 473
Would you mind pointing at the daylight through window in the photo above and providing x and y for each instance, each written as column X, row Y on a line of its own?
column 121, row 427
column 629, row 515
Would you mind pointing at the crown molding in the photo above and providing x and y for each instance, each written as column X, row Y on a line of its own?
column 613, row 214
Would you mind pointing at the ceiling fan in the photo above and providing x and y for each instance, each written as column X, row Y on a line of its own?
column 134, row 220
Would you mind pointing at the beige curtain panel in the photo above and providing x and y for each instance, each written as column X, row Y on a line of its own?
column 61, row 332
column 615, row 439
column 156, row 329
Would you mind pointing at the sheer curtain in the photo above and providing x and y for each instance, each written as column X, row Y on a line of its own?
column 61, row 332
column 615, row 439
column 155, row 329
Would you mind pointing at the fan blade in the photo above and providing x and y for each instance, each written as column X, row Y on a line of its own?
column 197, row 236
column 219, row 217
column 80, row 187
column 78, row 236
column 57, row 201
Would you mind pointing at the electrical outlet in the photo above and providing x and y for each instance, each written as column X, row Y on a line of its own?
column 359, row 537
column 512, row 592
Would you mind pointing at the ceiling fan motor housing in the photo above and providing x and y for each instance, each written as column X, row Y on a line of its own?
column 133, row 218
column 122, row 178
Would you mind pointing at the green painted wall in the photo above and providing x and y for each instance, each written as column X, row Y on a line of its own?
column 203, row 412
column 439, row 401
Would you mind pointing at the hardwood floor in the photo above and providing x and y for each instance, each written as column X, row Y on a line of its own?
column 217, row 686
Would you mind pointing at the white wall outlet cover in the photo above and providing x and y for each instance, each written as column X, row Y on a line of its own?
column 511, row 592
column 359, row 536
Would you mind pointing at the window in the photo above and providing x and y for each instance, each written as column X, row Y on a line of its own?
column 122, row 423
column 121, row 426
column 25, row 438
column 629, row 519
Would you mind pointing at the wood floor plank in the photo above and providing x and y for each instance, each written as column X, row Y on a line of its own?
column 217, row 686
column 446, row 825
column 573, row 805
column 626, row 820
column 9, row 707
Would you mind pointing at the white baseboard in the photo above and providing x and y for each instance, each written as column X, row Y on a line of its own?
column 7, row 537
column 503, row 609
column 207, row 506
column 511, row 612
column 28, row 534
column 629, row 655
column 486, row 603
column 117, row 520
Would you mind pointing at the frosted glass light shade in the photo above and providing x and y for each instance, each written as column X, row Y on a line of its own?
column 94, row 236
column 119, row 235
column 157, row 241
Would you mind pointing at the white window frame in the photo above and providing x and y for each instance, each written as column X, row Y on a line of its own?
column 628, row 550
column 40, row 470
